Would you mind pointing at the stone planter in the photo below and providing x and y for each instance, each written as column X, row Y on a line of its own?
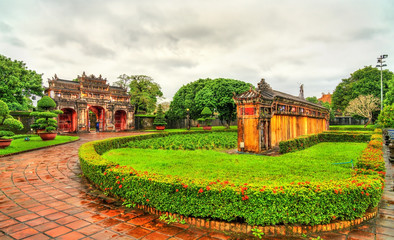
column 207, row 128
column 160, row 127
column 47, row 136
column 5, row 143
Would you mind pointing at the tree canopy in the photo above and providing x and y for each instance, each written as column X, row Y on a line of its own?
column 143, row 90
column 216, row 94
column 362, row 82
column 17, row 84
column 389, row 96
column 363, row 106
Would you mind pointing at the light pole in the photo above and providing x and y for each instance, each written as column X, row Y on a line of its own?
column 381, row 65
column 188, row 119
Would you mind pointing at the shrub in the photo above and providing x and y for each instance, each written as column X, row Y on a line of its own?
column 46, row 114
column 7, row 123
column 386, row 117
column 160, row 119
column 206, row 116
column 295, row 203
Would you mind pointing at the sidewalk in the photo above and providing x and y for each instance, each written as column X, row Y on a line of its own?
column 42, row 196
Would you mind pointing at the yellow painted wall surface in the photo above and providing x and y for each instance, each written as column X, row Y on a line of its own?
column 285, row 127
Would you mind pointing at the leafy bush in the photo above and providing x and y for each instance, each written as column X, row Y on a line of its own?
column 206, row 116
column 386, row 117
column 160, row 119
column 46, row 114
column 189, row 142
column 295, row 203
column 352, row 127
column 7, row 123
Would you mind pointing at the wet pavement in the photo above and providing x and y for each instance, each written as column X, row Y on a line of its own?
column 44, row 196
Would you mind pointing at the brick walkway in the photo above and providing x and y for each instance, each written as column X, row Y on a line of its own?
column 42, row 196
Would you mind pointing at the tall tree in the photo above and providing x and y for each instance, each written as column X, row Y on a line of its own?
column 215, row 94
column 18, row 84
column 143, row 90
column 363, row 106
column 389, row 97
column 364, row 81
column 184, row 99
column 312, row 99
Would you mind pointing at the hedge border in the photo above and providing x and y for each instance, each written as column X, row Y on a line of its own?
column 108, row 177
column 288, row 230
column 306, row 141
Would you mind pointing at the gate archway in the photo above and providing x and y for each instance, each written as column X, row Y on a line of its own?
column 67, row 120
column 96, row 114
column 120, row 120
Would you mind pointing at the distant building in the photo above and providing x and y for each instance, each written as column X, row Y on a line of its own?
column 267, row 117
column 87, row 100
column 325, row 98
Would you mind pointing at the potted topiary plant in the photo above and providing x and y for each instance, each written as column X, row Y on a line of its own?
column 160, row 121
column 45, row 115
column 7, row 125
column 206, row 118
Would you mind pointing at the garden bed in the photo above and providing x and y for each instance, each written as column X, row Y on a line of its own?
column 330, row 193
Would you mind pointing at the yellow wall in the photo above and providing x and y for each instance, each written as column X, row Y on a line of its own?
column 285, row 127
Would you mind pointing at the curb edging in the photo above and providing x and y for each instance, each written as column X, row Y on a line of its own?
column 287, row 230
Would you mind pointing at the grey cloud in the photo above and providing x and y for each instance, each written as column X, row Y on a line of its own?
column 15, row 41
column 4, row 27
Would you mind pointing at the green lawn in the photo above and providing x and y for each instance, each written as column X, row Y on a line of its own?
column 19, row 145
column 312, row 164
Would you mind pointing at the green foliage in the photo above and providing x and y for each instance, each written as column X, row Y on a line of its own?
column 362, row 82
column 20, row 145
column 206, row 116
column 46, row 103
column 352, row 128
column 7, row 123
column 214, row 94
column 44, row 116
column 17, row 84
column 389, row 96
column 143, row 91
column 386, row 117
column 192, row 141
column 312, row 99
column 168, row 219
column 160, row 119
column 256, row 204
column 257, row 233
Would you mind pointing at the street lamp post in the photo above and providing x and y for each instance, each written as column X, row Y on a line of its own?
column 381, row 65
column 188, row 119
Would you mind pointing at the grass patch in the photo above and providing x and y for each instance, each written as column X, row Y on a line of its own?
column 20, row 145
column 312, row 164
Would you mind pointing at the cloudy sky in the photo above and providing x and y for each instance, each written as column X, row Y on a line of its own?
column 287, row 42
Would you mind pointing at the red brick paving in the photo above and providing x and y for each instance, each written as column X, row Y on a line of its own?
column 42, row 196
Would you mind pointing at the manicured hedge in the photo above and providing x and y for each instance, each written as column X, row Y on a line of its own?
column 306, row 141
column 353, row 128
column 307, row 203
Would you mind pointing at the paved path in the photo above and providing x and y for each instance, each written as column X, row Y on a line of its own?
column 42, row 196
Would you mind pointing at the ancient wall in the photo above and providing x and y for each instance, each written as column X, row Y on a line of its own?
column 285, row 127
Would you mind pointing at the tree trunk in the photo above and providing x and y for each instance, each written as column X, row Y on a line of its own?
column 369, row 120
